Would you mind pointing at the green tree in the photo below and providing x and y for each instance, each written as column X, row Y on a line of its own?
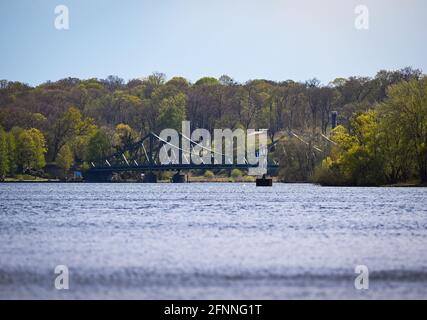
column 406, row 107
column 66, row 128
column 357, row 159
column 78, row 145
column 65, row 158
column 172, row 112
column 99, row 146
column 236, row 173
column 124, row 137
column 207, row 81
column 209, row 174
column 31, row 149
column 26, row 151
column 11, row 151
column 397, row 151
column 84, row 166
column 4, row 158
column 294, row 160
column 40, row 148
column 179, row 83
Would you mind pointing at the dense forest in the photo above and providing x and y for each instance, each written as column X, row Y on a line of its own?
column 381, row 137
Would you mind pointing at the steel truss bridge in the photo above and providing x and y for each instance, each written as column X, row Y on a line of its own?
column 143, row 157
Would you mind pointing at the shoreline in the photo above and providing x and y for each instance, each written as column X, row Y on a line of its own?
column 397, row 185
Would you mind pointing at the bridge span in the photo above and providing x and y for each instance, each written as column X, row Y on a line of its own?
column 143, row 157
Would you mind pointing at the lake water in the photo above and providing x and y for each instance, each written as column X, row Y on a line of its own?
column 212, row 241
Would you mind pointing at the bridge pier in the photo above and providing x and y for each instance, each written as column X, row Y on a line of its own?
column 264, row 182
column 98, row 176
column 178, row 178
column 150, row 177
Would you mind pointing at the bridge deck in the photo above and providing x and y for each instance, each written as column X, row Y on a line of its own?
column 176, row 167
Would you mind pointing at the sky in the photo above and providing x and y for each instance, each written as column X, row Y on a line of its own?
column 245, row 39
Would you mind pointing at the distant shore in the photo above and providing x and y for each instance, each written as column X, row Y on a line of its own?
column 213, row 180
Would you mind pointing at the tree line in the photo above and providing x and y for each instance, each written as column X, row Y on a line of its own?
column 384, row 145
column 72, row 122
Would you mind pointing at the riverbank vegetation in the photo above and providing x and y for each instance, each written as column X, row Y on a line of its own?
column 385, row 145
column 59, row 127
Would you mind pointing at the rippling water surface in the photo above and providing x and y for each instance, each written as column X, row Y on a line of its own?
column 202, row 241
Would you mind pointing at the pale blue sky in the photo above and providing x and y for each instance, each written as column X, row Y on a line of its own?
column 246, row 39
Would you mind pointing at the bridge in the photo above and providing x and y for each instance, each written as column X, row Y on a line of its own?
column 143, row 157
